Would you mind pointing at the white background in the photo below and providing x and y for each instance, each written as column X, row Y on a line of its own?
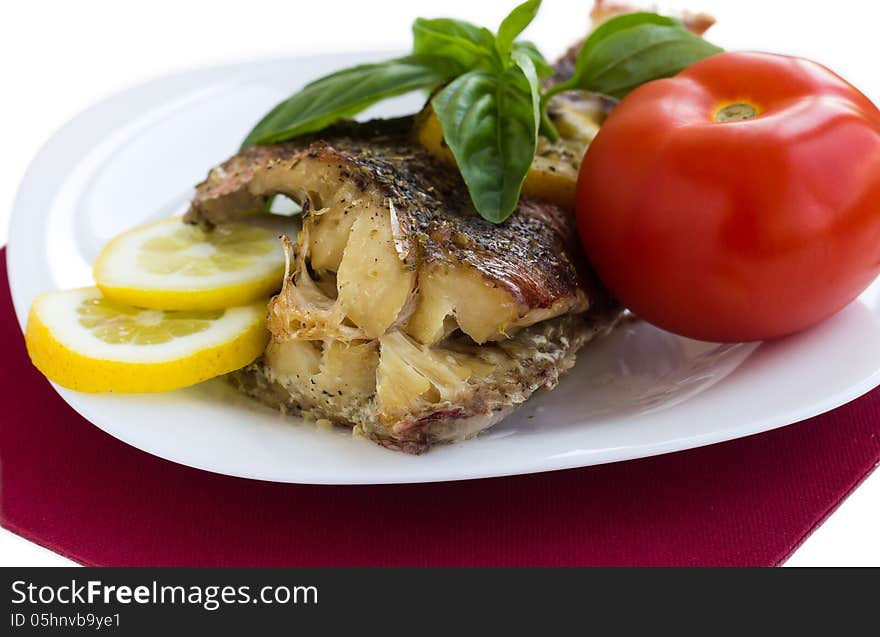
column 57, row 58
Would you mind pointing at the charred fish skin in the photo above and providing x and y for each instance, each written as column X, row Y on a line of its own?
column 224, row 197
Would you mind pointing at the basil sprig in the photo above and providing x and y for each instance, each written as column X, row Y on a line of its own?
column 490, row 122
column 488, row 94
column 490, row 119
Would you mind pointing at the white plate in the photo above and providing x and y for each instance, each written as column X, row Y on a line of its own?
column 637, row 393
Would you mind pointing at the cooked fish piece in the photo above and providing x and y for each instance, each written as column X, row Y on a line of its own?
column 403, row 314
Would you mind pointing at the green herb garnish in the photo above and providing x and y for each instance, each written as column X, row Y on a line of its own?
column 491, row 103
column 632, row 49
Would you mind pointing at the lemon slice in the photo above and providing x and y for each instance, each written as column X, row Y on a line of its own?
column 83, row 341
column 170, row 265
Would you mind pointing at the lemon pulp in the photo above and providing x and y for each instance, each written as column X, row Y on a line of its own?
column 116, row 323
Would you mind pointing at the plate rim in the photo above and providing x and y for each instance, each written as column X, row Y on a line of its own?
column 815, row 408
column 672, row 446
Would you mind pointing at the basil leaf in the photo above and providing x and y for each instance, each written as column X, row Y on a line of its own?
column 514, row 24
column 542, row 67
column 632, row 49
column 632, row 57
column 489, row 121
column 457, row 41
column 609, row 28
column 524, row 59
column 346, row 93
column 525, row 64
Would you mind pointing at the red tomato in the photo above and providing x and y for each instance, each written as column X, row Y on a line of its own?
column 737, row 201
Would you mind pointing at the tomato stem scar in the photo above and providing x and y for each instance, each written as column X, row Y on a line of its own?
column 736, row 112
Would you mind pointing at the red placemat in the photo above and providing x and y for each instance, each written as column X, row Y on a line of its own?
column 69, row 486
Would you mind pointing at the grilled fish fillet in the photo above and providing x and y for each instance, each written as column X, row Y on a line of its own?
column 404, row 315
